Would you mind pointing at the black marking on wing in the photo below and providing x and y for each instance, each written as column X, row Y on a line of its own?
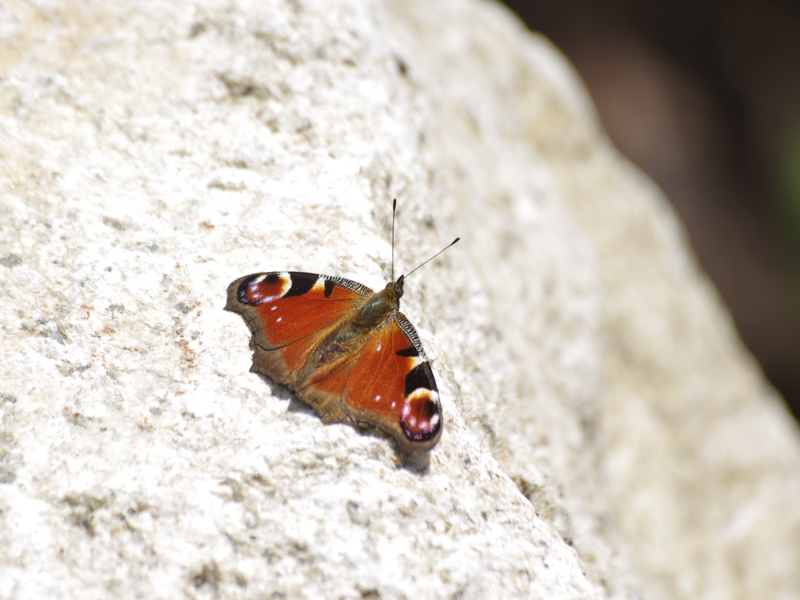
column 420, row 376
column 409, row 330
column 301, row 284
column 329, row 285
column 409, row 352
column 241, row 292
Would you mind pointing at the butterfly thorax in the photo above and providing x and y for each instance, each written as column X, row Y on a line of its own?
column 380, row 304
column 349, row 336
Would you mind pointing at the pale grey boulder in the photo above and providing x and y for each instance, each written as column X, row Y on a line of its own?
column 605, row 433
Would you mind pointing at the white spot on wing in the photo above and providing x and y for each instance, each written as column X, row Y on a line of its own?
column 319, row 285
column 377, row 398
column 279, row 319
column 378, row 347
column 422, row 394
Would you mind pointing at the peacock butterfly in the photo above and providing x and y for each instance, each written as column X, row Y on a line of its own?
column 344, row 350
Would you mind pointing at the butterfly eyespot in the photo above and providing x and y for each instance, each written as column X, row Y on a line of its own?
column 420, row 416
column 264, row 288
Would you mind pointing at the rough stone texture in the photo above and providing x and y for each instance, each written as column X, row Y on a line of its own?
column 606, row 435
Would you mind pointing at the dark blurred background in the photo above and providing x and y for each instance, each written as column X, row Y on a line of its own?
column 705, row 97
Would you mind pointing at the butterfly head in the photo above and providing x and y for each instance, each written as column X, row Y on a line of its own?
column 397, row 286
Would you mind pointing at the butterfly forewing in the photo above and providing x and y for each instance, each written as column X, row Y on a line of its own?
column 288, row 312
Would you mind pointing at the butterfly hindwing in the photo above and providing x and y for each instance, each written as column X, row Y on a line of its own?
column 392, row 387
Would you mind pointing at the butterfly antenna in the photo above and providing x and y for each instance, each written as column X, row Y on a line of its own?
column 394, row 208
column 432, row 257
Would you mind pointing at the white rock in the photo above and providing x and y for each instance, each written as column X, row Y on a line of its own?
column 153, row 152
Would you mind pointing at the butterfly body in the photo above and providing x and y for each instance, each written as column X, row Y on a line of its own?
column 345, row 350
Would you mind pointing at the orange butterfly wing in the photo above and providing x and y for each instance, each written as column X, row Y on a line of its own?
column 288, row 314
column 391, row 386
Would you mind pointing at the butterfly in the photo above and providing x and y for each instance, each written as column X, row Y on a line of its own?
column 344, row 350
